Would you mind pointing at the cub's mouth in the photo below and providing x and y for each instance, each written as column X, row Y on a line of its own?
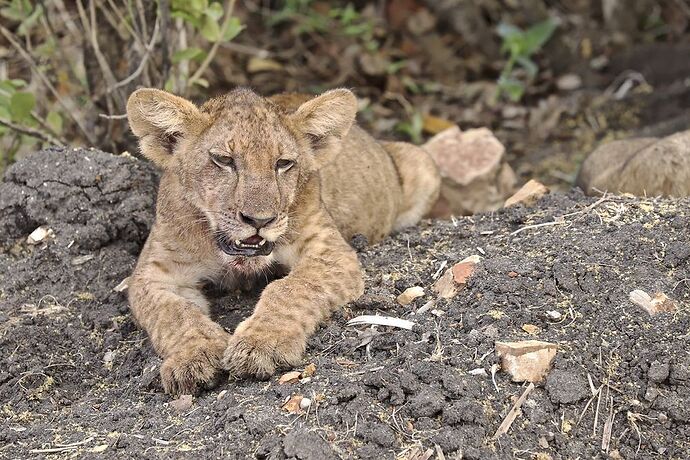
column 255, row 245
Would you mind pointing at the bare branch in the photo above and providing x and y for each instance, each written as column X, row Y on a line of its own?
column 27, row 57
column 142, row 64
column 33, row 132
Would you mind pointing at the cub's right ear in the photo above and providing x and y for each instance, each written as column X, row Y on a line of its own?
column 160, row 119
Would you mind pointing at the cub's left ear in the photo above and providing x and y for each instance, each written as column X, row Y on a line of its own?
column 327, row 117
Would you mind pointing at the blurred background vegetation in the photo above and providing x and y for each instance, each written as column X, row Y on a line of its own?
column 533, row 70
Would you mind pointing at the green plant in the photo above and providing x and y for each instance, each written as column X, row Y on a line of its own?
column 344, row 21
column 80, row 77
column 412, row 127
column 520, row 45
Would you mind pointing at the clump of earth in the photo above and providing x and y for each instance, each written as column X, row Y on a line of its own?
column 77, row 377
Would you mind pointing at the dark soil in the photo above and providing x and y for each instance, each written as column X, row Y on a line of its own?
column 77, row 376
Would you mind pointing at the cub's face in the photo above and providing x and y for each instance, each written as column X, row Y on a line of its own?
column 240, row 159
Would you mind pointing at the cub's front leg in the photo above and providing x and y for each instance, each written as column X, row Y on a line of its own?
column 166, row 301
column 325, row 275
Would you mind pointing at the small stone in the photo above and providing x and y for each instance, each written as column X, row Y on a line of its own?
column 108, row 357
column 182, row 403
column 658, row 372
column 410, row 294
column 309, row 371
column 455, row 278
column 421, row 22
column 478, row 371
column 289, row 377
column 531, row 329
column 526, row 361
column 528, row 194
column 445, row 286
column 292, row 405
column 653, row 305
column 554, row 315
column 305, row 403
column 569, row 82
column 40, row 234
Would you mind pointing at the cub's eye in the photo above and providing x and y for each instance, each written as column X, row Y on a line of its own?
column 222, row 161
column 284, row 165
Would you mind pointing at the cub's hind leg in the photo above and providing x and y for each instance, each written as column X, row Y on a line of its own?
column 420, row 180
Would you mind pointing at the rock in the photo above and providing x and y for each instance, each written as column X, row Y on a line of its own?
column 305, row 403
column 531, row 329
column 526, row 361
column 658, row 372
column 569, row 82
column 421, row 22
column 455, row 278
column 182, row 403
column 294, row 404
column 309, row 371
column 445, row 286
column 289, row 377
column 653, row 305
column 475, row 175
column 528, row 194
column 554, row 315
column 642, row 167
column 409, row 294
column 566, row 387
column 40, row 234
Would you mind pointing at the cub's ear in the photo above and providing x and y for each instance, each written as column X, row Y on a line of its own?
column 327, row 117
column 160, row 119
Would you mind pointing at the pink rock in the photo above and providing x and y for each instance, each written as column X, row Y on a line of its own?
column 475, row 175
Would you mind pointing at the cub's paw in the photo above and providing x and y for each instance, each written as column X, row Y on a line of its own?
column 259, row 354
column 196, row 368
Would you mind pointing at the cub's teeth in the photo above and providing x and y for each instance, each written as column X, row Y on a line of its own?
column 262, row 242
column 238, row 242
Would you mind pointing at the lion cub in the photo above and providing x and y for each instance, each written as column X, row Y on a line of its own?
column 251, row 182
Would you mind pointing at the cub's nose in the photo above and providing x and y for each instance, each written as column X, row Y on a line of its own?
column 256, row 222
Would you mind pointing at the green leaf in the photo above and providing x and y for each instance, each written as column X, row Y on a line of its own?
column 17, row 82
column 21, row 105
column 214, row 11
column 17, row 11
column 210, row 29
column 186, row 17
column 187, row 54
column 54, row 121
column 28, row 23
column 512, row 87
column 234, row 28
column 535, row 37
column 170, row 85
column 506, row 30
column 528, row 65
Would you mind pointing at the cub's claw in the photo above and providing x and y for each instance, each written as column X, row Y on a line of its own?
column 259, row 355
column 194, row 369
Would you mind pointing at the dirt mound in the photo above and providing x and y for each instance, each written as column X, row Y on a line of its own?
column 76, row 376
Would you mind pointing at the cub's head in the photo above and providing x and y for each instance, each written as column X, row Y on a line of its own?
column 241, row 159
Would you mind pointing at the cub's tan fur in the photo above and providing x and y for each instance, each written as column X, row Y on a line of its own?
column 229, row 159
